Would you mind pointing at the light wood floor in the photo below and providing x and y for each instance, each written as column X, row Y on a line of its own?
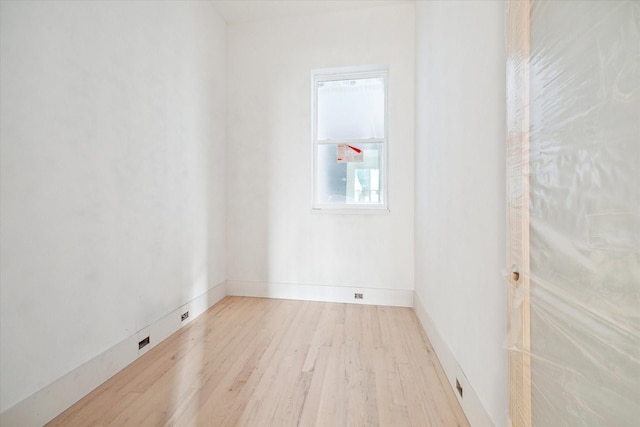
column 268, row 362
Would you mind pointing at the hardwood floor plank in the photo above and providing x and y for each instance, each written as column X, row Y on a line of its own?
column 267, row 362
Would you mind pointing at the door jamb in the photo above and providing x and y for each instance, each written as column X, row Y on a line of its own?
column 518, row 36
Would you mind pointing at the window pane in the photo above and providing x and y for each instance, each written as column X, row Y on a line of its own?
column 350, row 183
column 351, row 109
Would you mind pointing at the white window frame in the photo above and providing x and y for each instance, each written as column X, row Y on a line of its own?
column 346, row 73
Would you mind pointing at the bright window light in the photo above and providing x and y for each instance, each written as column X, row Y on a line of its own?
column 350, row 116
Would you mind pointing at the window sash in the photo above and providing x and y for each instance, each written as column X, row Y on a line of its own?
column 350, row 73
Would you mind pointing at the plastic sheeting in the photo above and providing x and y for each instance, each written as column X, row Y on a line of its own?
column 574, row 212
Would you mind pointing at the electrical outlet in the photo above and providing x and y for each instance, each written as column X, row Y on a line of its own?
column 358, row 296
column 459, row 388
column 143, row 343
column 184, row 316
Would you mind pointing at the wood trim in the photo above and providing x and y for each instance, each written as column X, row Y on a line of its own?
column 321, row 293
column 471, row 405
column 518, row 125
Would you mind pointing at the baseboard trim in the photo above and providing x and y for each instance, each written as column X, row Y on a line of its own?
column 44, row 405
column 471, row 404
column 342, row 294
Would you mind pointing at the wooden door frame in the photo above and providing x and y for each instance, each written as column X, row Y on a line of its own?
column 518, row 36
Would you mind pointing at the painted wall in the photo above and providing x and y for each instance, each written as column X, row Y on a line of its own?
column 112, row 176
column 460, row 189
column 273, row 235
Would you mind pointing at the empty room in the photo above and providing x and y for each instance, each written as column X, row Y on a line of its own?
column 320, row 213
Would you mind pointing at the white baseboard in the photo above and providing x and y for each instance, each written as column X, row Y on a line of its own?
column 343, row 294
column 471, row 404
column 52, row 400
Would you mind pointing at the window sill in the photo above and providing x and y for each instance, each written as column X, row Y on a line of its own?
column 351, row 211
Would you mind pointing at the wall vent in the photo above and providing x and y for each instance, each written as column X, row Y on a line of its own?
column 143, row 343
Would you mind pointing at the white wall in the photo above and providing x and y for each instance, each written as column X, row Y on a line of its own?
column 112, row 176
column 114, row 163
column 273, row 236
column 460, row 190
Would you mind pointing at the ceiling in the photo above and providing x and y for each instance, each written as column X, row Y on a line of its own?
column 234, row 11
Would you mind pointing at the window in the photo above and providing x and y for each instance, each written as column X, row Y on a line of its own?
column 349, row 132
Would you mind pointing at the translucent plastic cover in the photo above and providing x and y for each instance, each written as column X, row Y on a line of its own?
column 574, row 212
